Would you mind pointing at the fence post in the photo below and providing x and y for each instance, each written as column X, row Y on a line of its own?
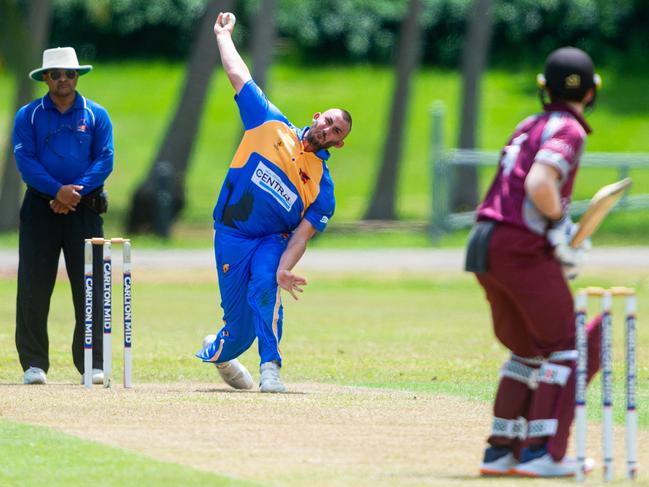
column 623, row 173
column 439, row 171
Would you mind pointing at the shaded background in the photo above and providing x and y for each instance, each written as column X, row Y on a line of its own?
column 157, row 72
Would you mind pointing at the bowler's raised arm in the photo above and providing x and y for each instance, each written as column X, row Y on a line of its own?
column 234, row 66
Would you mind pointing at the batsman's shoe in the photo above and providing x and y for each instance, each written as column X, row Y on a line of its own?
column 545, row 466
column 235, row 374
column 269, row 380
column 97, row 376
column 34, row 375
column 498, row 461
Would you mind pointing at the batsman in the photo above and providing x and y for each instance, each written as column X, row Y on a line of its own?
column 520, row 252
column 276, row 195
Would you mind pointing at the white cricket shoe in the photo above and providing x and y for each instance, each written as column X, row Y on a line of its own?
column 34, row 375
column 545, row 466
column 269, row 380
column 97, row 376
column 498, row 462
column 233, row 373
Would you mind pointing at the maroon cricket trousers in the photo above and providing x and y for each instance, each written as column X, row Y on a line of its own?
column 533, row 316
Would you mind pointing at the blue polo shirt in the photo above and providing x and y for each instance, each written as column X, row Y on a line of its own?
column 53, row 149
column 273, row 183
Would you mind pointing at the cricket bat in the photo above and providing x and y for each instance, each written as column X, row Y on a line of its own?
column 600, row 205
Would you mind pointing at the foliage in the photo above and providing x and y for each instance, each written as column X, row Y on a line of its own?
column 605, row 28
column 364, row 30
column 12, row 34
column 349, row 28
column 126, row 28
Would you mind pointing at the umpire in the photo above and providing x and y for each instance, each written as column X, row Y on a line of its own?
column 63, row 144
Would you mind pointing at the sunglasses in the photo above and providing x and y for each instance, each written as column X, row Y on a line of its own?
column 69, row 73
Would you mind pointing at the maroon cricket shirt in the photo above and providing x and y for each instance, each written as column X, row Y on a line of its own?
column 554, row 137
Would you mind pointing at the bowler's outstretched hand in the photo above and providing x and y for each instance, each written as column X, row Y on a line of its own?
column 224, row 22
column 290, row 282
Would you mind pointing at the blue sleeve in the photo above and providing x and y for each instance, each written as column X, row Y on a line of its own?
column 102, row 152
column 254, row 107
column 32, row 171
column 322, row 209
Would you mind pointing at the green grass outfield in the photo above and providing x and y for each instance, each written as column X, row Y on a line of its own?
column 39, row 456
column 141, row 98
column 429, row 334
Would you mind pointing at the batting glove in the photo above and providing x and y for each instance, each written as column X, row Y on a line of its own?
column 559, row 235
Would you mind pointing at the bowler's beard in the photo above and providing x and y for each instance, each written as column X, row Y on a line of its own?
column 312, row 137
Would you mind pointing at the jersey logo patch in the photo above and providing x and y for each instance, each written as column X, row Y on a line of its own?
column 304, row 177
column 270, row 182
column 82, row 126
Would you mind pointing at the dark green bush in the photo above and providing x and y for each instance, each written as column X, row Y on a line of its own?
column 524, row 31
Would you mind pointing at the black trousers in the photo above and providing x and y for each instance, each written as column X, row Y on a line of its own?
column 43, row 234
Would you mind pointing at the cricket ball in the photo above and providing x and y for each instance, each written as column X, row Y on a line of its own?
column 208, row 339
column 228, row 18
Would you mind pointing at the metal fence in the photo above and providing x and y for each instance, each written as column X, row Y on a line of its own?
column 444, row 162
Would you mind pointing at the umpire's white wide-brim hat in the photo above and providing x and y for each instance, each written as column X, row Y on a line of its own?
column 59, row 58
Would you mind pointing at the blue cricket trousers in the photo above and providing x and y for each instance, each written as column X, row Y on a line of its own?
column 250, row 296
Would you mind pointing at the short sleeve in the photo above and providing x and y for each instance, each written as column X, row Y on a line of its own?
column 254, row 107
column 562, row 149
column 322, row 209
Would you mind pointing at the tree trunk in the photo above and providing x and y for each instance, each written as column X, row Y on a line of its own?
column 35, row 34
column 264, row 30
column 382, row 204
column 464, row 194
column 263, row 38
column 161, row 196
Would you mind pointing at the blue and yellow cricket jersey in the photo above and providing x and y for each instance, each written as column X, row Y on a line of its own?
column 272, row 183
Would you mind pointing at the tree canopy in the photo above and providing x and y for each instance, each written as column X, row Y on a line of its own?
column 360, row 30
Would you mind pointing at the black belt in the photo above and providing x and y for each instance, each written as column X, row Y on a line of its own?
column 96, row 200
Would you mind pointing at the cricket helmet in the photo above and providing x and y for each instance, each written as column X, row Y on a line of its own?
column 568, row 74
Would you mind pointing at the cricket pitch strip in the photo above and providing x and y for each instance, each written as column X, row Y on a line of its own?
column 315, row 435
